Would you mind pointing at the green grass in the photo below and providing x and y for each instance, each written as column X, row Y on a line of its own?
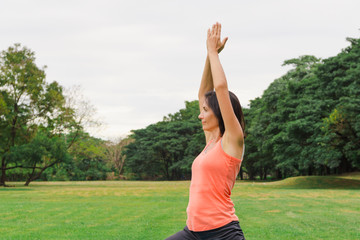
column 295, row 208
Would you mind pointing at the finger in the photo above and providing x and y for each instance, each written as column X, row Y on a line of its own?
column 219, row 29
column 218, row 33
column 224, row 41
column 213, row 29
column 208, row 33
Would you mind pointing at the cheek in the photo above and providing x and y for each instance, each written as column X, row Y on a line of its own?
column 208, row 115
column 211, row 117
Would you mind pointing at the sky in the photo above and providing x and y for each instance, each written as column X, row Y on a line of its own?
column 137, row 61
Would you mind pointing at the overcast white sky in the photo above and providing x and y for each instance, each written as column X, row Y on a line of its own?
column 137, row 61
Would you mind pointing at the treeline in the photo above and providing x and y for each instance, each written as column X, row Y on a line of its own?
column 42, row 133
column 307, row 122
column 166, row 150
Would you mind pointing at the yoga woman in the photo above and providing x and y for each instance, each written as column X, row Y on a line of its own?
column 210, row 212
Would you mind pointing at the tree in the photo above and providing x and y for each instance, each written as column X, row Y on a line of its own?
column 166, row 149
column 307, row 121
column 40, row 153
column 28, row 104
column 339, row 78
column 114, row 153
column 89, row 159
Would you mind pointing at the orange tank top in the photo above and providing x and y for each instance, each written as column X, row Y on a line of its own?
column 213, row 177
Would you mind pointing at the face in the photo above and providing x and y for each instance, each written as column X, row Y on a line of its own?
column 208, row 118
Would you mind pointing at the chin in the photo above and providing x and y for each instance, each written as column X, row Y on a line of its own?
column 206, row 129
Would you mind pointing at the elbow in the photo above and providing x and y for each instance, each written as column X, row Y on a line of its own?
column 203, row 91
column 201, row 94
column 221, row 87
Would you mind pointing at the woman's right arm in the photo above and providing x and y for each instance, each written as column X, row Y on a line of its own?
column 207, row 84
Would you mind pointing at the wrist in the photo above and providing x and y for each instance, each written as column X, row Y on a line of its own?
column 212, row 52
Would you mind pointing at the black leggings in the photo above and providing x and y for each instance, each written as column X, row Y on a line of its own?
column 231, row 231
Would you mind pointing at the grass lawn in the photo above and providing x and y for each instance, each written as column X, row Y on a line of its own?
column 295, row 208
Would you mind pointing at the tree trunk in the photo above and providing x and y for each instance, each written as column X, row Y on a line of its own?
column 2, row 179
column 122, row 162
column 261, row 174
column 3, row 173
column 33, row 177
column 252, row 175
column 265, row 173
column 310, row 171
column 27, row 182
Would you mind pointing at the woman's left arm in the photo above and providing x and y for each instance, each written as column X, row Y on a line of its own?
column 233, row 136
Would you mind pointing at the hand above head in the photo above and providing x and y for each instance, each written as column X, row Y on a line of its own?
column 213, row 41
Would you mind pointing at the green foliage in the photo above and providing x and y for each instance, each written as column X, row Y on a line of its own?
column 88, row 162
column 39, row 154
column 307, row 121
column 89, row 159
column 166, row 149
column 28, row 104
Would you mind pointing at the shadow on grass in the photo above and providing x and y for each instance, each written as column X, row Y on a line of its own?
column 317, row 182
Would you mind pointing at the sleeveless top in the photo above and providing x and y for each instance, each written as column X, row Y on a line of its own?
column 213, row 177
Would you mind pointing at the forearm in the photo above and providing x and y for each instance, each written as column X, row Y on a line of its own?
column 206, row 84
column 217, row 72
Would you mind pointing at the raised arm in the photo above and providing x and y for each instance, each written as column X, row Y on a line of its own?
column 233, row 137
column 206, row 84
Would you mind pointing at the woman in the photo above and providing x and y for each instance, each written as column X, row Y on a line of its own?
column 211, row 213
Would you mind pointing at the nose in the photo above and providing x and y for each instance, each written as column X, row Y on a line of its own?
column 200, row 116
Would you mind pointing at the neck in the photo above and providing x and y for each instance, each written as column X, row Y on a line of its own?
column 215, row 135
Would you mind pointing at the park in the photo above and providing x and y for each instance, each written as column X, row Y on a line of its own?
column 317, row 207
column 108, row 130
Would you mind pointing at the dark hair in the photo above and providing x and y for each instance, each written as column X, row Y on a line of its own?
column 211, row 100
